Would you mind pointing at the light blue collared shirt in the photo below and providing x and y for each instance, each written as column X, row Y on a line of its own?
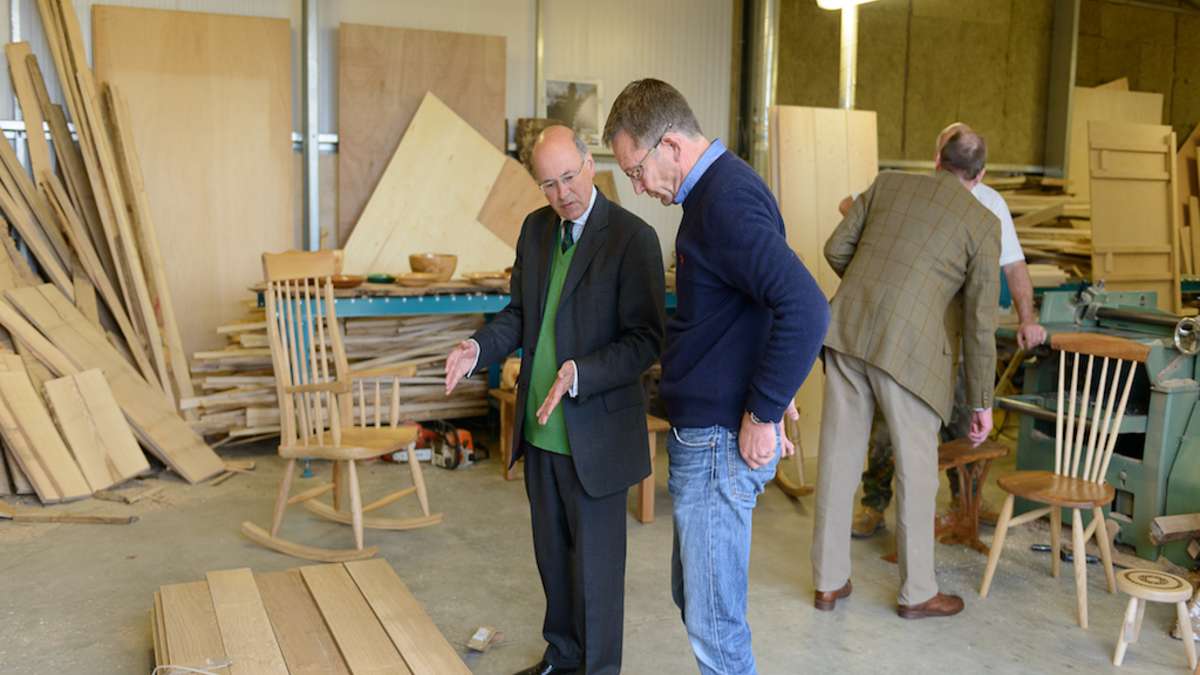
column 715, row 150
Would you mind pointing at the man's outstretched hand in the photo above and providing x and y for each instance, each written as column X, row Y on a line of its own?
column 459, row 362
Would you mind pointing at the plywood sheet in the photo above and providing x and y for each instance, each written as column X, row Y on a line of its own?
column 429, row 197
column 819, row 156
column 1111, row 105
column 210, row 100
column 152, row 418
column 383, row 75
column 513, row 196
column 1135, row 213
column 95, row 429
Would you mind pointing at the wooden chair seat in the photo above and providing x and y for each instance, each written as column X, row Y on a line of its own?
column 357, row 443
column 1057, row 490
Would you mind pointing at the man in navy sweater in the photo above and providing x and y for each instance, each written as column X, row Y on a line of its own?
column 748, row 327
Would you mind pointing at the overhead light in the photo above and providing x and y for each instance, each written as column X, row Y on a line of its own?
column 840, row 4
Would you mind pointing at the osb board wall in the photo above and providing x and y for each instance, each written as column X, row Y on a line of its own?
column 210, row 100
column 926, row 63
column 1159, row 51
column 383, row 75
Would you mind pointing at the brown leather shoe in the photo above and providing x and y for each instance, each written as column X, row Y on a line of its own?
column 939, row 605
column 826, row 600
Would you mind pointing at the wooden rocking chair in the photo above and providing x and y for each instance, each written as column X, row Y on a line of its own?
column 315, row 387
column 1077, row 482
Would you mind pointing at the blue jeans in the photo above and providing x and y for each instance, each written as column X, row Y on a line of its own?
column 714, row 493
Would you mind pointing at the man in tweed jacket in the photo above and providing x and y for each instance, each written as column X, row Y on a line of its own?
column 908, row 246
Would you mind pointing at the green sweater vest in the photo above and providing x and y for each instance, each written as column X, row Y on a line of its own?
column 553, row 436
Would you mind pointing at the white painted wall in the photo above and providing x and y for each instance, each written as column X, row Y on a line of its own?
column 685, row 42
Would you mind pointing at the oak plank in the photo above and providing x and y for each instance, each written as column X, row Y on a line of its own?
column 245, row 628
column 359, row 635
column 424, row 648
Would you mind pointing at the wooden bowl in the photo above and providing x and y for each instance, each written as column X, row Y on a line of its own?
column 348, row 280
column 417, row 279
column 440, row 264
column 491, row 282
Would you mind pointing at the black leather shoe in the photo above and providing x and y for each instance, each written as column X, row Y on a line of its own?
column 543, row 668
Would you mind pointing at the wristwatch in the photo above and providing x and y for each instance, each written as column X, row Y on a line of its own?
column 754, row 418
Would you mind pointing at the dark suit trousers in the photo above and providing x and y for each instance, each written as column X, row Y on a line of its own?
column 579, row 543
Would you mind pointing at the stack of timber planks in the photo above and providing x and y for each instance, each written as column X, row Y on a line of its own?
column 236, row 398
column 356, row 617
column 1055, row 232
column 98, row 365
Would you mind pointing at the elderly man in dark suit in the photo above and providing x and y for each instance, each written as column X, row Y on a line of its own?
column 587, row 311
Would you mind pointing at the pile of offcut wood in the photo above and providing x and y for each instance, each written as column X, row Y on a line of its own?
column 103, row 325
column 1054, row 230
column 237, row 398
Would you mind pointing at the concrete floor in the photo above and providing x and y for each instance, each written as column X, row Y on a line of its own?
column 75, row 598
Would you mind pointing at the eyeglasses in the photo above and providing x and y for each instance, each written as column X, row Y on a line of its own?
column 636, row 172
column 566, row 179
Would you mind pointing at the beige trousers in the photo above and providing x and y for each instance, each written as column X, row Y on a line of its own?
column 853, row 388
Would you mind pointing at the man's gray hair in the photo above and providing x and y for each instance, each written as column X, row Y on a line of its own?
column 964, row 153
column 645, row 109
column 579, row 145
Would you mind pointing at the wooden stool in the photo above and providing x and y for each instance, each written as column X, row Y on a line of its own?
column 972, row 465
column 1143, row 585
column 507, row 398
column 645, row 498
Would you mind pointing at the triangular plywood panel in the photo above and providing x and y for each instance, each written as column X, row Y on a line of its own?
column 429, row 197
column 513, row 197
column 383, row 75
column 818, row 157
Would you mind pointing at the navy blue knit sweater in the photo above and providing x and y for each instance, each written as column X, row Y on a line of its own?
column 750, row 318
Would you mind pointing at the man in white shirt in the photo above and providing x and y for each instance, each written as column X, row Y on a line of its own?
column 877, row 479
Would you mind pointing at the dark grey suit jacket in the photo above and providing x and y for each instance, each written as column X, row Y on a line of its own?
column 610, row 321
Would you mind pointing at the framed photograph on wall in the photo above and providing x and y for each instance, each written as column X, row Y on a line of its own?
column 578, row 103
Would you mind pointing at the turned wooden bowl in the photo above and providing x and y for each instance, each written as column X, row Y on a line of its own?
column 440, row 264
column 348, row 280
column 417, row 279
